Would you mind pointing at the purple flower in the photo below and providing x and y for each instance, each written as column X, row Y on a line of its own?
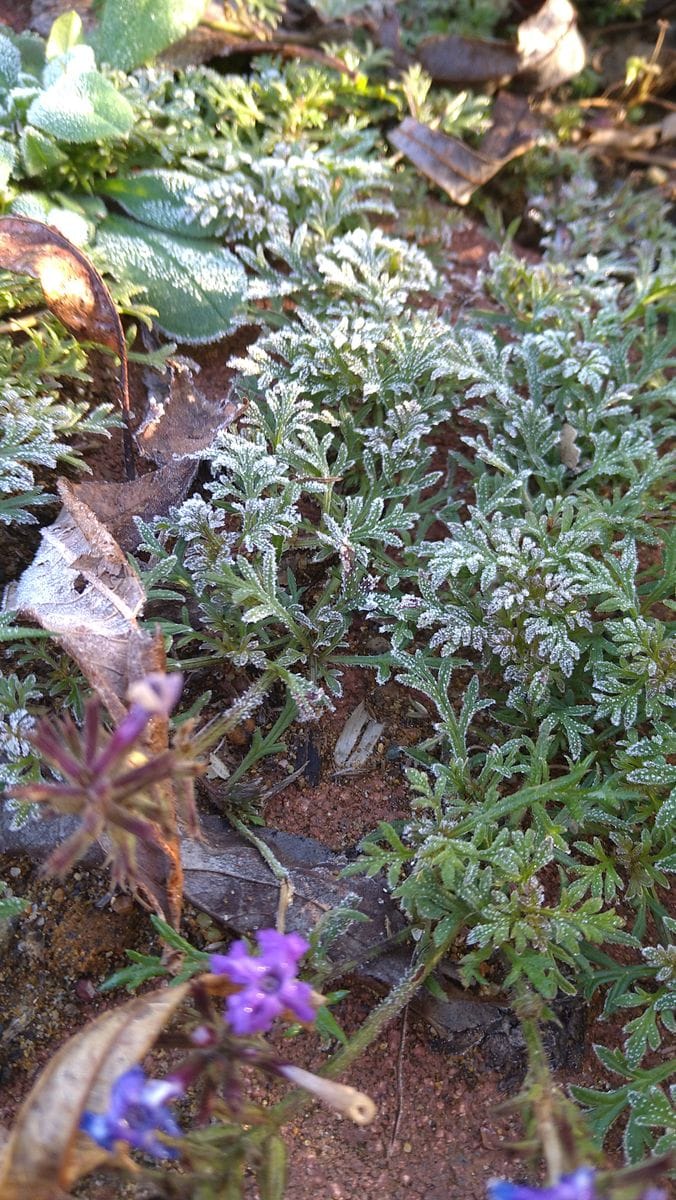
column 153, row 696
column 268, row 979
column 578, row 1186
column 136, row 1112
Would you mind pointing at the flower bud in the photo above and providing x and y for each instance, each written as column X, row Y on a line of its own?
column 346, row 1100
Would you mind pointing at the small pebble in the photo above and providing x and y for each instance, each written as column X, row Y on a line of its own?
column 15, row 872
column 122, row 904
column 85, row 990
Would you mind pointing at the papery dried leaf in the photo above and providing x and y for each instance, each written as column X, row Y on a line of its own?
column 73, row 288
column 568, row 449
column 551, row 50
column 45, row 1151
column 468, row 61
column 457, row 168
column 185, row 425
column 151, row 495
column 357, row 739
column 81, row 588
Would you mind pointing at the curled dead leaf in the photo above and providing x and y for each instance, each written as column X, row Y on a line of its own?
column 73, row 288
column 45, row 1151
column 184, row 425
column 81, row 588
column 468, row 61
column 551, row 50
column 457, row 168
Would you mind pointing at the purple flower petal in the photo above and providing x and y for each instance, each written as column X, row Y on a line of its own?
column 284, row 948
column 578, row 1186
column 297, row 997
column 268, row 979
column 136, row 1112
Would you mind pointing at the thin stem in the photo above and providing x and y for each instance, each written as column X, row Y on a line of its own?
column 396, row 1000
column 280, row 873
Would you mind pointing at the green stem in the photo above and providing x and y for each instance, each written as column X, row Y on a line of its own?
column 396, row 1000
column 280, row 873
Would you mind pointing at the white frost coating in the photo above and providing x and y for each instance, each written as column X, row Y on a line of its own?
column 79, row 60
column 82, row 109
column 198, row 288
column 10, row 63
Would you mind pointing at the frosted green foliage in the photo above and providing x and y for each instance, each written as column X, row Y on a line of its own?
column 78, row 103
column 7, row 161
column 38, row 206
column 36, row 423
column 378, row 272
column 18, row 762
column 252, row 196
column 197, row 288
column 351, row 361
column 10, row 63
column 133, row 31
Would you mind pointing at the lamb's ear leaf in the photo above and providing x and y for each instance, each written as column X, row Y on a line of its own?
column 46, row 1154
column 10, row 62
column 171, row 201
column 134, row 31
column 82, row 108
column 197, row 287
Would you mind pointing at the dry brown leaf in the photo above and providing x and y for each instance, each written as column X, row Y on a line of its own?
column 454, row 166
column 73, row 288
column 45, row 1151
column 468, row 61
column 568, row 448
column 548, row 51
column 185, row 425
column 549, row 45
column 151, row 495
column 81, row 588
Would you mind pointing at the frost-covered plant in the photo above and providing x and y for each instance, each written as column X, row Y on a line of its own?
column 38, row 424
column 306, row 500
column 551, row 590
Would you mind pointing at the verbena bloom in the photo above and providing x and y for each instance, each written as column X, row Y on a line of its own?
column 578, row 1186
column 136, row 1113
column 106, row 788
column 269, row 981
column 154, row 695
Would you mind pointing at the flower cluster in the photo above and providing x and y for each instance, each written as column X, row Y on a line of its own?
column 580, row 1185
column 104, row 785
column 269, row 983
column 136, row 1113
